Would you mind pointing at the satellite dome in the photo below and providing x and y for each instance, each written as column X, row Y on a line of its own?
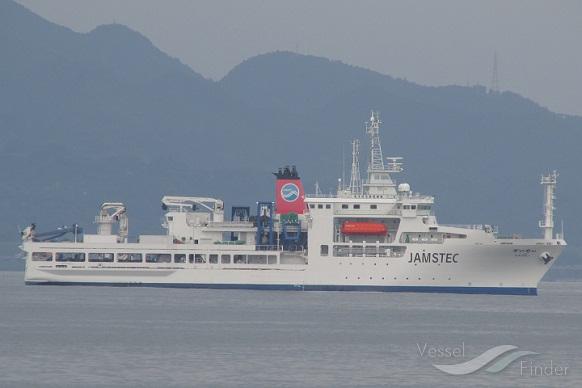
column 404, row 188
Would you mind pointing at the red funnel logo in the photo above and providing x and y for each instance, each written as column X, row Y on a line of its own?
column 289, row 194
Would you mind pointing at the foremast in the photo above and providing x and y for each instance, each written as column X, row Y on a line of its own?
column 547, row 224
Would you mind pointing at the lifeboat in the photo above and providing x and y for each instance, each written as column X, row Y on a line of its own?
column 364, row 228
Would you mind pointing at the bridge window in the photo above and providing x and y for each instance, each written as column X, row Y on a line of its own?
column 213, row 259
column 324, row 250
column 70, row 256
column 158, row 258
column 272, row 259
column 179, row 258
column 225, row 259
column 197, row 258
column 422, row 238
column 345, row 206
column 42, row 256
column 455, row 235
column 356, row 206
column 373, row 206
column 240, row 259
column 101, row 257
column 327, row 206
column 320, row 206
column 312, row 206
column 129, row 258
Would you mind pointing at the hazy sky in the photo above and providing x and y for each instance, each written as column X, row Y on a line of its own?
column 538, row 43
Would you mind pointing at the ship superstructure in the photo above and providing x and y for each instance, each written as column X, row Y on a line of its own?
column 372, row 235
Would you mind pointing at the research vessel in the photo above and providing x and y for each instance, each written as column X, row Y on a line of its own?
column 373, row 234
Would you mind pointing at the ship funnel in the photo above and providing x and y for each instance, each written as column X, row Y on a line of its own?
column 289, row 193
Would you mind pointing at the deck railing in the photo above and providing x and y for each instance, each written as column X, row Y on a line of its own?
column 483, row 227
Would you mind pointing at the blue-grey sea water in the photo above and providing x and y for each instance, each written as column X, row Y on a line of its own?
column 67, row 336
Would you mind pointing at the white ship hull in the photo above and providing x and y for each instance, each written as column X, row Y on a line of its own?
column 499, row 268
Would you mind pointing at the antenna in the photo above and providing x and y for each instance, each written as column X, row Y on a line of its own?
column 317, row 189
column 394, row 164
column 494, row 76
column 340, row 187
column 355, row 180
column 373, row 130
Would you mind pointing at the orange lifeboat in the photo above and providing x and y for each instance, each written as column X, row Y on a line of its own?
column 364, row 228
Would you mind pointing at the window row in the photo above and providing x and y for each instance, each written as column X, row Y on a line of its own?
column 363, row 251
column 422, row 237
column 192, row 258
column 344, row 206
column 320, row 206
column 358, row 206
column 414, row 207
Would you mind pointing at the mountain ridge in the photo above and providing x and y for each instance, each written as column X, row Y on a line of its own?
column 105, row 115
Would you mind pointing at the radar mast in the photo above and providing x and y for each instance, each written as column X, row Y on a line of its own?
column 355, row 180
column 379, row 182
column 373, row 130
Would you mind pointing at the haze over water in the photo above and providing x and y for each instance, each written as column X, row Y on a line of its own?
column 55, row 336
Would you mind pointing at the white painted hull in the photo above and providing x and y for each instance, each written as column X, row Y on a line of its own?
column 487, row 268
